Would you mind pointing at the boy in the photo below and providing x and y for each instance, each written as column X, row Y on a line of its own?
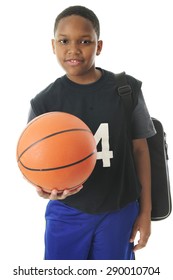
column 100, row 219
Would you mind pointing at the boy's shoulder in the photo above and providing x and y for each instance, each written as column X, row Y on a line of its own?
column 49, row 89
column 135, row 83
column 122, row 80
column 131, row 80
column 46, row 97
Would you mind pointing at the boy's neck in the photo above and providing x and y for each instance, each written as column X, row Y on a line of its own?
column 86, row 79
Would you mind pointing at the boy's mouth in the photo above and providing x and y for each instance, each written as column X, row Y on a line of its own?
column 73, row 62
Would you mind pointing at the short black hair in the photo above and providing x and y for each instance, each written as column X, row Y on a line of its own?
column 80, row 11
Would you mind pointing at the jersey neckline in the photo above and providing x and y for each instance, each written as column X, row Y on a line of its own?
column 91, row 86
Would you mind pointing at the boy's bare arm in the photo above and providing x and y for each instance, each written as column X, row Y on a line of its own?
column 143, row 221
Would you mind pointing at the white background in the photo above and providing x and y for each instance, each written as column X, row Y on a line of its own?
column 137, row 36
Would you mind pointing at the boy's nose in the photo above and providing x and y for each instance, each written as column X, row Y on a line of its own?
column 73, row 48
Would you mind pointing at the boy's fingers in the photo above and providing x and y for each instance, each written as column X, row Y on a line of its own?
column 133, row 234
column 142, row 240
column 57, row 195
column 42, row 193
column 141, row 244
column 67, row 193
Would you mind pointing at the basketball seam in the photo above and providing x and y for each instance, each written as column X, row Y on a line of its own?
column 58, row 167
column 51, row 135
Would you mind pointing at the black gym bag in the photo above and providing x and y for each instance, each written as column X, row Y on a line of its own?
column 158, row 148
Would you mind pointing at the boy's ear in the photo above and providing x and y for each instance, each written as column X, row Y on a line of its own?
column 53, row 45
column 99, row 47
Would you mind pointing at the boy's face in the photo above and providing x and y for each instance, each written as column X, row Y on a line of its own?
column 75, row 46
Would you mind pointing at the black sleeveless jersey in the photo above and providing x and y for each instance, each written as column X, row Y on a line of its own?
column 113, row 183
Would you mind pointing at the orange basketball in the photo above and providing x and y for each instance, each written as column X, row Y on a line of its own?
column 56, row 150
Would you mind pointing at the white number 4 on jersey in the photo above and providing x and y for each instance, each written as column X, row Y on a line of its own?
column 102, row 134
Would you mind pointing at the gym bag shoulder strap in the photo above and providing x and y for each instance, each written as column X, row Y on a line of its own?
column 158, row 148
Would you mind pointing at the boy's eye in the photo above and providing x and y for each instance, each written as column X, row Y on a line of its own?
column 63, row 41
column 85, row 42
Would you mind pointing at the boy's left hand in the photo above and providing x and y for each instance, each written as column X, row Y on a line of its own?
column 143, row 225
column 57, row 195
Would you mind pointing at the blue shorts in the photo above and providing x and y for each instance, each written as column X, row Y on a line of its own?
column 73, row 235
